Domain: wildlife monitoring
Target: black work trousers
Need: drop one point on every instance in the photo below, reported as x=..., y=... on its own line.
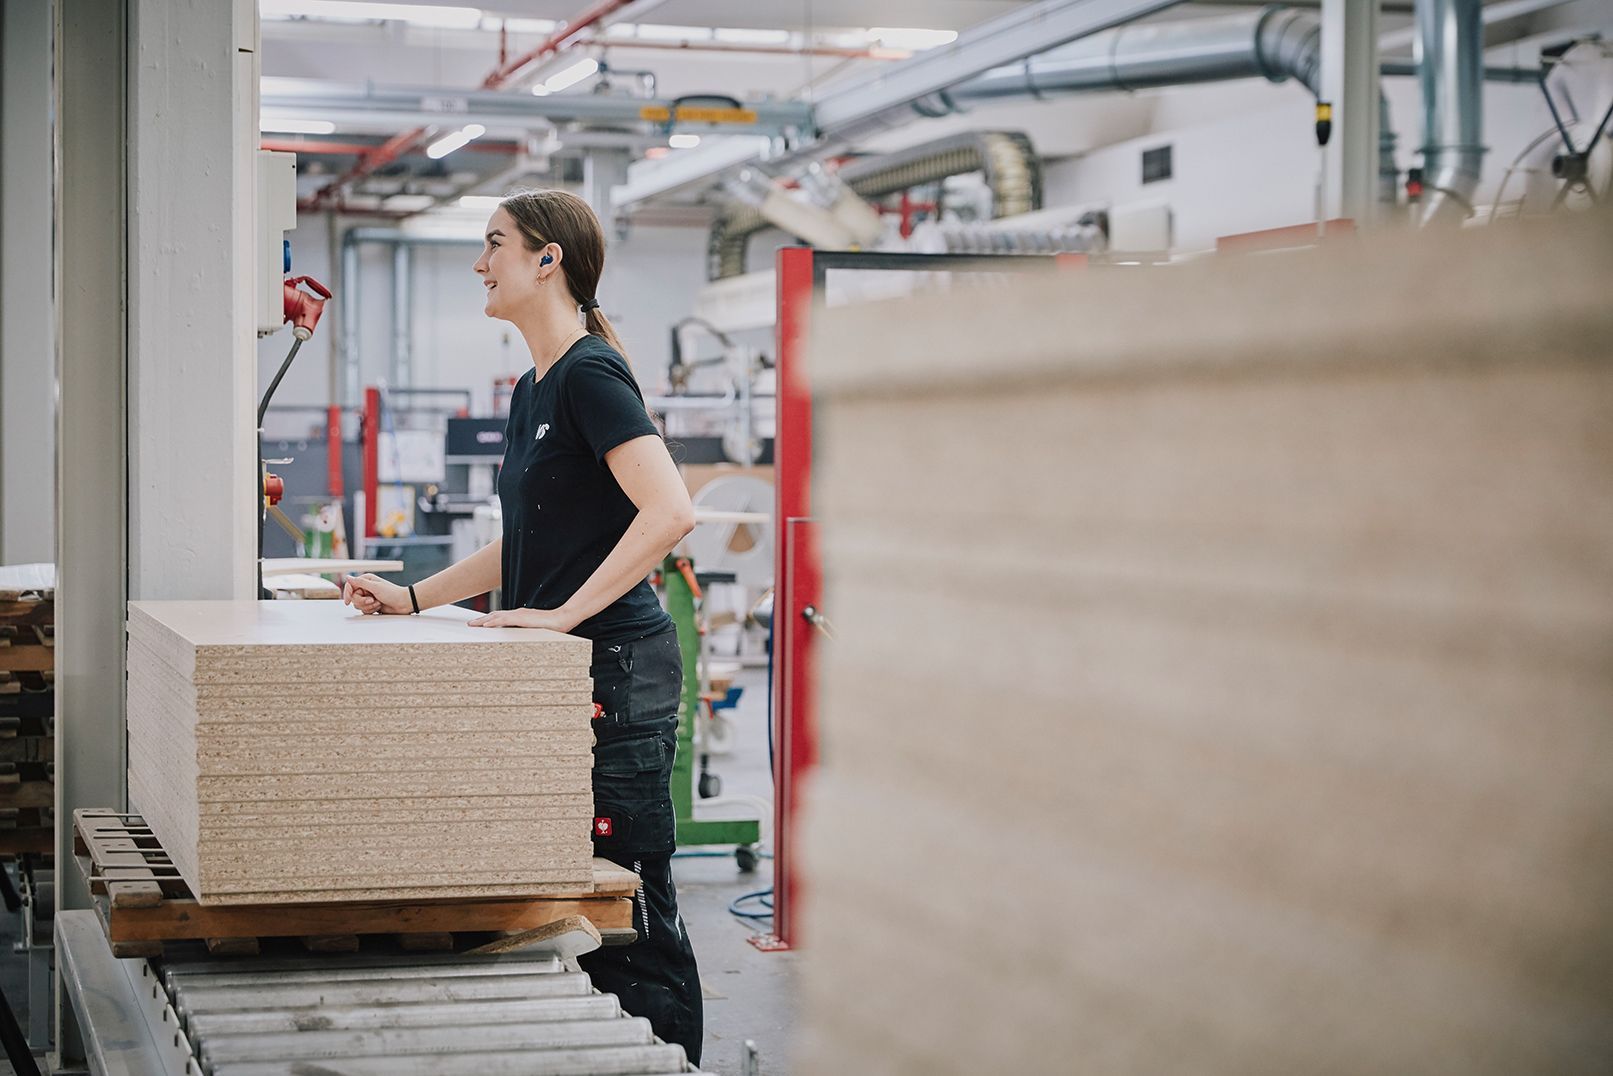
x=638, y=686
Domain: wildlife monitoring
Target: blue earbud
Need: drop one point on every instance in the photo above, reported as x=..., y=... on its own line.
x=546, y=259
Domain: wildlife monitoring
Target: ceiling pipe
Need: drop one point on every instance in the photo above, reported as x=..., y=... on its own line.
x=566, y=35
x=828, y=51
x=1450, y=69
x=411, y=140
x=1276, y=43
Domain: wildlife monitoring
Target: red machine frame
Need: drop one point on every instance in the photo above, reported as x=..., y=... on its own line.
x=798, y=578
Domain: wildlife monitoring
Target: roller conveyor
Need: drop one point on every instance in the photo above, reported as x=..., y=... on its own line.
x=517, y=1014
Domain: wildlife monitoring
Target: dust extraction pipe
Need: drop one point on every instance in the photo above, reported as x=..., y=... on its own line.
x=1450, y=69
x=1275, y=43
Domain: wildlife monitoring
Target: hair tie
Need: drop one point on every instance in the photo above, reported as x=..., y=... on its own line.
x=590, y=304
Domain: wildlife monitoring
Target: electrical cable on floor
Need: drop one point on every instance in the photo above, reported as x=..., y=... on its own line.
x=762, y=896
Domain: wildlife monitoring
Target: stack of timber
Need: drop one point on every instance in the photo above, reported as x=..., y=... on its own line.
x=27, y=709
x=1223, y=668
x=296, y=751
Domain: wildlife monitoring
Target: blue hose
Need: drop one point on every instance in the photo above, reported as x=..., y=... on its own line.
x=761, y=896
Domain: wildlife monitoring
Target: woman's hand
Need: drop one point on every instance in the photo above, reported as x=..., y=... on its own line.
x=553, y=619
x=372, y=594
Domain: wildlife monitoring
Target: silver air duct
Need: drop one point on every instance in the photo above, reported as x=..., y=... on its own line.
x=1275, y=43
x=1450, y=69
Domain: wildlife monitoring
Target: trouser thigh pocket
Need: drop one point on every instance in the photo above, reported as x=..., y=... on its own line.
x=632, y=803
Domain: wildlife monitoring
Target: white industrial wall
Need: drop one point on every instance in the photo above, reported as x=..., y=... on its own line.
x=1245, y=157
x=650, y=281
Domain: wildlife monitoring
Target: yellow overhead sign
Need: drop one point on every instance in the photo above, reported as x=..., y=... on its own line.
x=692, y=114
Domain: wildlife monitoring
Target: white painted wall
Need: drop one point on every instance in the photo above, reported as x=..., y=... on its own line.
x=1245, y=157
x=27, y=311
x=650, y=281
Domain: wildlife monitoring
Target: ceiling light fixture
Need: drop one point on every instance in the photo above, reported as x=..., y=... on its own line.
x=480, y=201
x=571, y=75
x=912, y=37
x=295, y=126
x=683, y=141
x=440, y=16
x=742, y=36
x=447, y=144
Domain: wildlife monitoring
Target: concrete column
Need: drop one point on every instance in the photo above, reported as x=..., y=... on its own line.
x=27, y=316
x=1350, y=81
x=92, y=48
x=192, y=260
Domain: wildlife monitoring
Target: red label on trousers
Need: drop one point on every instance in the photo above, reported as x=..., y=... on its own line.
x=603, y=827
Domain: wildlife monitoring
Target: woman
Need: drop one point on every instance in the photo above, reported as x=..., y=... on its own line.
x=592, y=502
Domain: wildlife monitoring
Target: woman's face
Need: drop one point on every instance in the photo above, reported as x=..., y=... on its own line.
x=510, y=271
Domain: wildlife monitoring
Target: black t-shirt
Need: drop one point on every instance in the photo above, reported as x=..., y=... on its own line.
x=563, y=509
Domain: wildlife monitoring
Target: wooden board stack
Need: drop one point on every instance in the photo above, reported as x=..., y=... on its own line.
x=296, y=751
x=1222, y=669
x=27, y=709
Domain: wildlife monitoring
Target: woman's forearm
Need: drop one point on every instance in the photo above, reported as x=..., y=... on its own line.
x=476, y=574
x=649, y=538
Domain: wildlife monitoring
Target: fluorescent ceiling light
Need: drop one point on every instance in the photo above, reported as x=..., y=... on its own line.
x=896, y=37
x=480, y=201
x=740, y=36
x=649, y=31
x=683, y=141
x=447, y=144
x=530, y=26
x=571, y=75
x=295, y=126
x=409, y=203
x=438, y=15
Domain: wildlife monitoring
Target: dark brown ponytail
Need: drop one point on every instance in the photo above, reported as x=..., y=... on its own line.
x=548, y=216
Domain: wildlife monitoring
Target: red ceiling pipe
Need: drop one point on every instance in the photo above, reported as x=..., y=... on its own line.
x=399, y=145
x=378, y=157
x=555, y=42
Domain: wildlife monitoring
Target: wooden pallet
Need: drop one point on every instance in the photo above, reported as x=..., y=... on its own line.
x=143, y=902
x=26, y=683
x=28, y=647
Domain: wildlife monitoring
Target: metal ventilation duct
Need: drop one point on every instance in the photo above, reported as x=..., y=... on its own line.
x=1450, y=68
x=1007, y=160
x=1275, y=43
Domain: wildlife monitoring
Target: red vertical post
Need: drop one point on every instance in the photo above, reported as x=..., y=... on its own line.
x=796, y=577
x=372, y=458
x=333, y=451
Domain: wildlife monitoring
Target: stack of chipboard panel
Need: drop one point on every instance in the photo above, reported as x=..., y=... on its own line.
x=27, y=709
x=297, y=751
x=1223, y=669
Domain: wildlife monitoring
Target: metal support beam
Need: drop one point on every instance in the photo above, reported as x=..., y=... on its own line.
x=1350, y=83
x=603, y=170
x=497, y=109
x=402, y=315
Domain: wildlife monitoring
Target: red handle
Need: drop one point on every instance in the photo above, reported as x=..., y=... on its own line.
x=302, y=309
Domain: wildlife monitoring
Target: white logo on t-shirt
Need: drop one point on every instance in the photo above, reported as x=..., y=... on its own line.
x=543, y=429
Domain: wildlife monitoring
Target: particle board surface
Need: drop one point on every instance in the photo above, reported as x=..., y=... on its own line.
x=299, y=752
x=1267, y=694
